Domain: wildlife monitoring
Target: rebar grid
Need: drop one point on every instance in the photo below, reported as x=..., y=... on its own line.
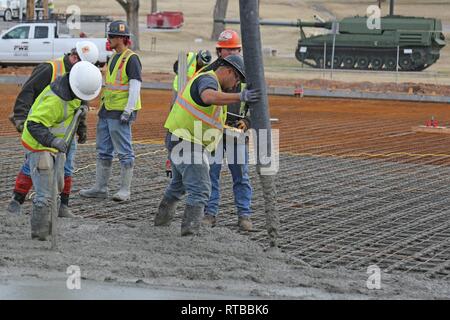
x=335, y=212
x=356, y=186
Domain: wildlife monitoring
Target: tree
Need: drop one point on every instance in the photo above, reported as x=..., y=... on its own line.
x=154, y=6
x=131, y=8
x=45, y=7
x=220, y=11
x=30, y=9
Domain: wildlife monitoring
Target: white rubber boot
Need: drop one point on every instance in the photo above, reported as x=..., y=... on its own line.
x=100, y=189
x=126, y=175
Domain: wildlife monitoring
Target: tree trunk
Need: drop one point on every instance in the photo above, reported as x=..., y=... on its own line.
x=154, y=6
x=131, y=8
x=30, y=9
x=220, y=11
x=45, y=6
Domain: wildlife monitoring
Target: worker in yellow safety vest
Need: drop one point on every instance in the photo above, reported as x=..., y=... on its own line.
x=44, y=74
x=237, y=154
x=44, y=135
x=119, y=106
x=194, y=62
x=196, y=124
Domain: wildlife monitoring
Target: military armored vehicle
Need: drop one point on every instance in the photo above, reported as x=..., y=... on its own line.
x=417, y=41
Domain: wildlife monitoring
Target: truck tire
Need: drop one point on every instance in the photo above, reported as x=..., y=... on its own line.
x=7, y=15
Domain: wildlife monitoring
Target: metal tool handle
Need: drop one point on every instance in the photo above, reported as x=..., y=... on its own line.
x=58, y=172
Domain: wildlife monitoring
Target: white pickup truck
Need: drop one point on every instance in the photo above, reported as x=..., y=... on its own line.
x=33, y=43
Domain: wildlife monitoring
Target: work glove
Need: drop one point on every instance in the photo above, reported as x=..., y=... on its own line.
x=250, y=95
x=59, y=144
x=243, y=124
x=82, y=137
x=82, y=129
x=19, y=125
x=125, y=117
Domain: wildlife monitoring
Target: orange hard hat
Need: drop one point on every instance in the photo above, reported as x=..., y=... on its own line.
x=228, y=39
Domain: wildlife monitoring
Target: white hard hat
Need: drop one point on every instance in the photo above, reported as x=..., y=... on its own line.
x=85, y=80
x=87, y=51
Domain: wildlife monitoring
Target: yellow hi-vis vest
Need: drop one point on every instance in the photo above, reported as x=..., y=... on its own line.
x=52, y=112
x=191, y=68
x=115, y=94
x=59, y=68
x=194, y=123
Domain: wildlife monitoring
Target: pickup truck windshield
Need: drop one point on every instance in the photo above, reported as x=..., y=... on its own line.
x=18, y=33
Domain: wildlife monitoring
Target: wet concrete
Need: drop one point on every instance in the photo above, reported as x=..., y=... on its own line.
x=37, y=289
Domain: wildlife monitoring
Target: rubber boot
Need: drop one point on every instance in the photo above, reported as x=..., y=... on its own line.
x=22, y=187
x=64, y=211
x=40, y=224
x=14, y=207
x=192, y=219
x=64, y=196
x=100, y=189
x=126, y=174
x=166, y=212
x=245, y=224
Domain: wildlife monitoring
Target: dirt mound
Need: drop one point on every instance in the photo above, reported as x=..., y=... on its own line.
x=366, y=86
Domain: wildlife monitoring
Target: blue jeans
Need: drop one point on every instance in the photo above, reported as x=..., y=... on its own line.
x=114, y=137
x=238, y=166
x=191, y=177
x=68, y=165
x=41, y=180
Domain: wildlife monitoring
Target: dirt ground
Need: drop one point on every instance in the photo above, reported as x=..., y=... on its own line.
x=328, y=122
x=116, y=248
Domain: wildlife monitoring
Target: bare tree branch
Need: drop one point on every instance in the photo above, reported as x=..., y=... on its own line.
x=124, y=4
x=131, y=8
x=220, y=11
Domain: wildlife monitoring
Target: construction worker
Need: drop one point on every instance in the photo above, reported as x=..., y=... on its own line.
x=120, y=103
x=237, y=158
x=50, y=117
x=41, y=77
x=195, y=61
x=196, y=125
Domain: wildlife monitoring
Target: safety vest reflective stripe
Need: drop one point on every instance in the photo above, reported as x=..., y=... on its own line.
x=117, y=87
x=199, y=114
x=58, y=68
x=119, y=77
x=217, y=113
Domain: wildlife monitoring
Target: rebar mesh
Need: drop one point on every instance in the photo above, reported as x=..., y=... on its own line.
x=356, y=186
